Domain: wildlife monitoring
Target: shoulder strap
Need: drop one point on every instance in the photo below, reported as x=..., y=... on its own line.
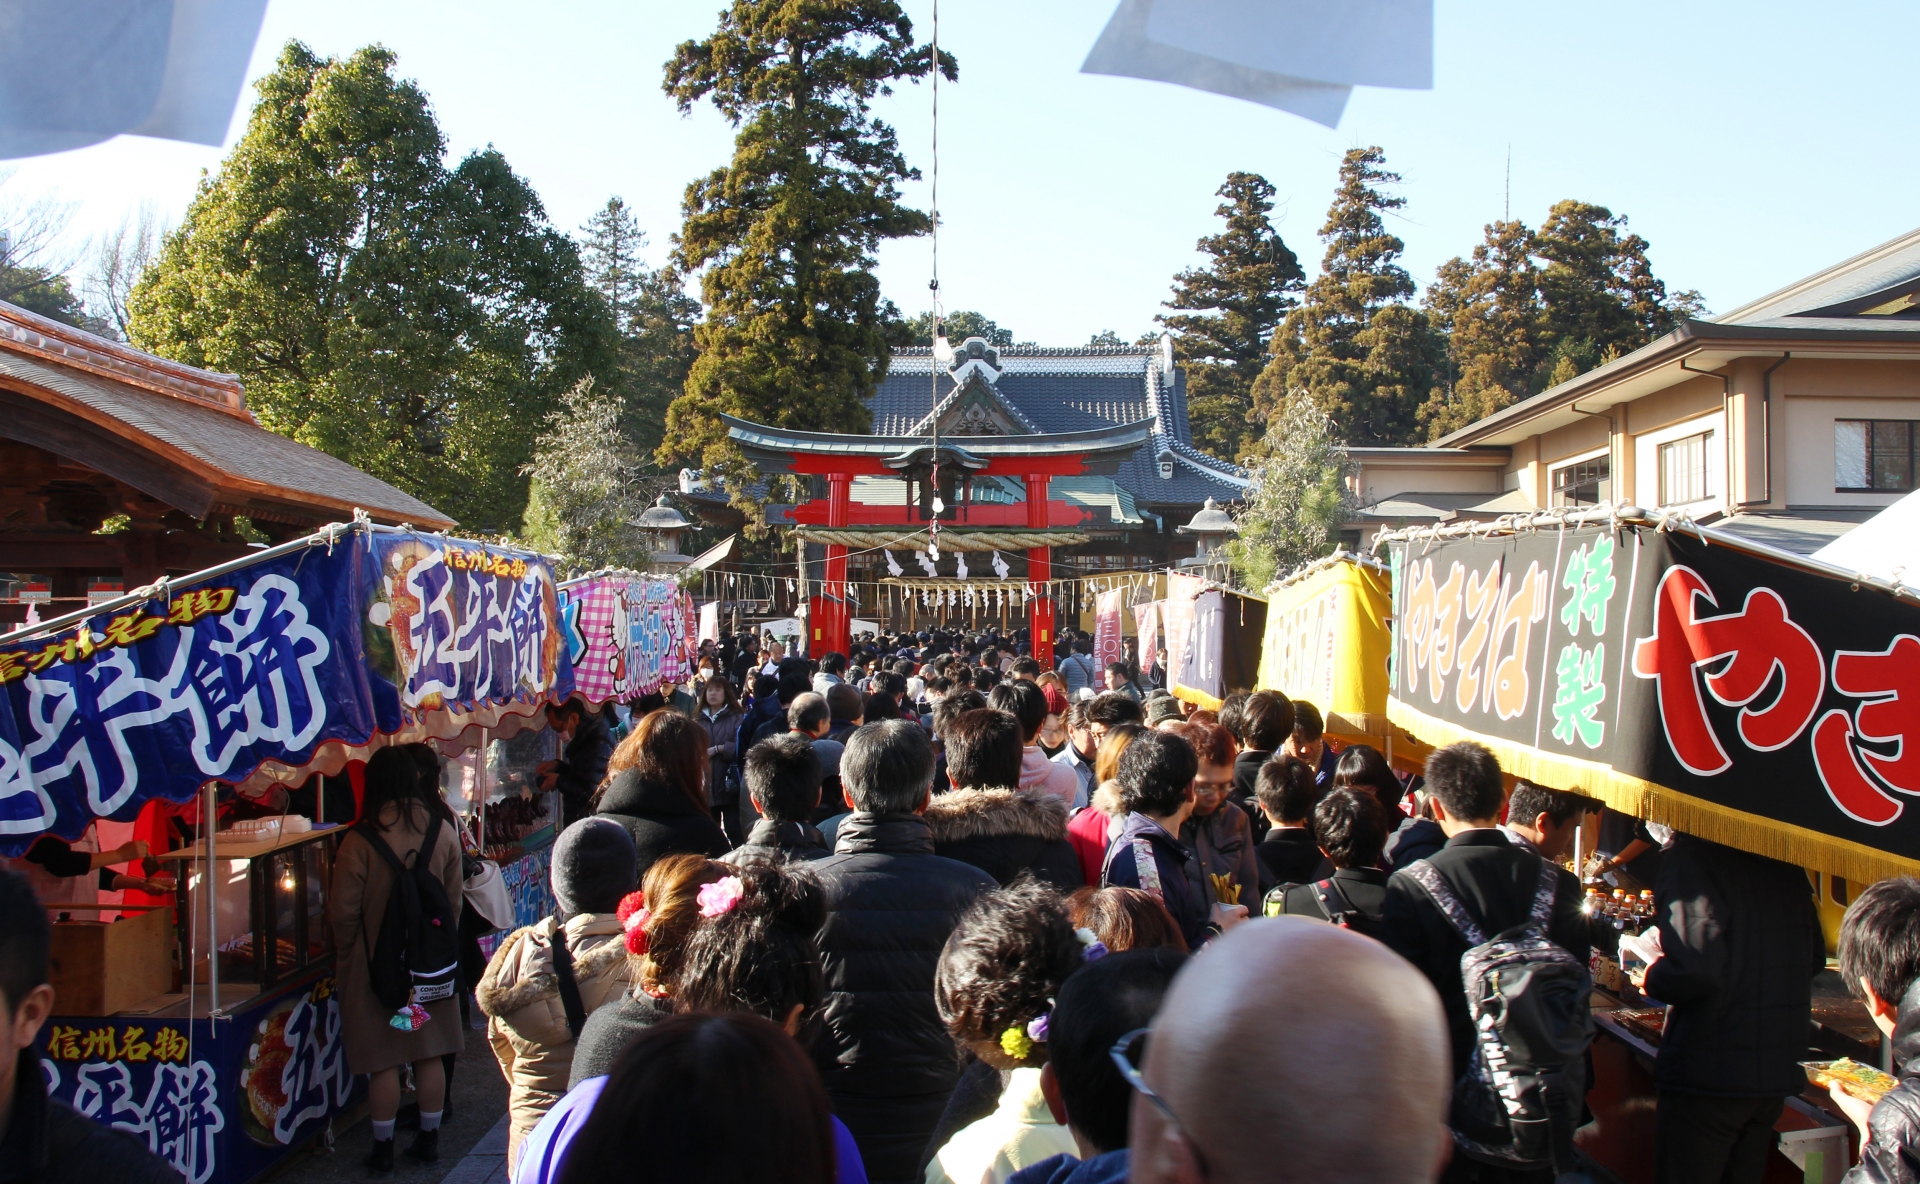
x=1333, y=899
x=569, y=985
x=1147, y=868
x=1451, y=907
x=1545, y=893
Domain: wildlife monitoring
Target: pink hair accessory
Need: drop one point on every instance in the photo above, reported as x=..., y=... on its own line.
x=720, y=896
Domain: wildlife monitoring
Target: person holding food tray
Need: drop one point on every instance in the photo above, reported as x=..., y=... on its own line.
x=1880, y=959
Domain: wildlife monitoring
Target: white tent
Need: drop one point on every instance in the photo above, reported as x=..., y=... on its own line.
x=1886, y=545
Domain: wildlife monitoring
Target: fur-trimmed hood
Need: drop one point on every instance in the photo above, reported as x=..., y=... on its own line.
x=1106, y=799
x=996, y=814
x=521, y=970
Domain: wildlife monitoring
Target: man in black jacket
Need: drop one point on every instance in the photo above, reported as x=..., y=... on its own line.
x=1497, y=882
x=986, y=819
x=1266, y=722
x=44, y=1141
x=582, y=764
x=1740, y=943
x=884, y=1054
x=783, y=778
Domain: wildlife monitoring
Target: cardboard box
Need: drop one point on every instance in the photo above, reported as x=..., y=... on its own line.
x=99, y=968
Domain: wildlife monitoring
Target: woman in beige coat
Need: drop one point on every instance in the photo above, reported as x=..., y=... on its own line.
x=594, y=865
x=398, y=806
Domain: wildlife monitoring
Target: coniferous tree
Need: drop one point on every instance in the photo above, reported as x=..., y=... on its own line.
x=1491, y=313
x=1600, y=294
x=1232, y=306
x=409, y=318
x=588, y=484
x=1353, y=346
x=796, y=332
x=653, y=315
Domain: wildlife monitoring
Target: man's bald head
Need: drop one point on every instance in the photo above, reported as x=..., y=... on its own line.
x=1293, y=1050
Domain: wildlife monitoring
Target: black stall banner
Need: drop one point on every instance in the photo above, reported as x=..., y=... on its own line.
x=1731, y=696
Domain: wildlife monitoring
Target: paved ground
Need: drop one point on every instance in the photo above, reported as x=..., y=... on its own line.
x=473, y=1147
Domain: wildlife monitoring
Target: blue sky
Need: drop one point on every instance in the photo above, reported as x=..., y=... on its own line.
x=1750, y=143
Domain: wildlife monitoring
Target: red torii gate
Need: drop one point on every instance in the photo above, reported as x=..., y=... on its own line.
x=936, y=468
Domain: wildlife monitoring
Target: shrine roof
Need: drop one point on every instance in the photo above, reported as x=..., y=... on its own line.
x=181, y=434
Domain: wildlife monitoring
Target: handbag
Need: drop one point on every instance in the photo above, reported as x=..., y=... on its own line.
x=486, y=894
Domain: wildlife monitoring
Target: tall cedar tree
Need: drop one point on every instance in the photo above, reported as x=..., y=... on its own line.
x=654, y=318
x=1497, y=337
x=796, y=333
x=1516, y=327
x=1233, y=306
x=1354, y=347
x=411, y=319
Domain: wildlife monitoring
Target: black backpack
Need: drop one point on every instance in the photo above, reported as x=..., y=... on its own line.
x=416, y=957
x=1334, y=902
x=1519, y=1100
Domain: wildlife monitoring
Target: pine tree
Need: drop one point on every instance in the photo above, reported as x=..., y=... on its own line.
x=796, y=333
x=409, y=318
x=1298, y=499
x=1491, y=312
x=1353, y=346
x=1234, y=304
x=654, y=317
x=588, y=484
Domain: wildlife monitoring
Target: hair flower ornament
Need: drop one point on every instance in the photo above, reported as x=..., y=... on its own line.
x=1037, y=1027
x=1016, y=1043
x=634, y=917
x=720, y=896
x=1093, y=949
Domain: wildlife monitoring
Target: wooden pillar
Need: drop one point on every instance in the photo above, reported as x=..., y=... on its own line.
x=1039, y=571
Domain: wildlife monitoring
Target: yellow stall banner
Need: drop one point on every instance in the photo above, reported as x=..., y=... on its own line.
x=1327, y=641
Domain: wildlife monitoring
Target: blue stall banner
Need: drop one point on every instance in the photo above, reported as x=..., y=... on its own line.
x=382, y=633
x=219, y=1100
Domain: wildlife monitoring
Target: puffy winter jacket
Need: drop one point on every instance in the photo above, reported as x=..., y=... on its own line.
x=887, y=1060
x=527, y=1022
x=662, y=819
x=723, y=732
x=1004, y=832
x=1892, y=1155
x=1742, y=943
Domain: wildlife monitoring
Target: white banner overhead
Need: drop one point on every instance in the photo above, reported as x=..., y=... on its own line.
x=1300, y=56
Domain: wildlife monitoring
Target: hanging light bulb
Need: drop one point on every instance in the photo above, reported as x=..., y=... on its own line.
x=939, y=506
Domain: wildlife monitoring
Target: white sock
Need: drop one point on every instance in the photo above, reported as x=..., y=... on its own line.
x=383, y=1131
x=430, y=1120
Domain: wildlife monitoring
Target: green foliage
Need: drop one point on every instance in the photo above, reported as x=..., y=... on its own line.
x=411, y=319
x=1535, y=309
x=958, y=326
x=796, y=333
x=588, y=484
x=1105, y=337
x=1299, y=497
x=1353, y=347
x=1233, y=306
x=654, y=318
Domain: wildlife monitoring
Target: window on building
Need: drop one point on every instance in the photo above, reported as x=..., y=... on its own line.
x=1683, y=470
x=1584, y=482
x=1873, y=455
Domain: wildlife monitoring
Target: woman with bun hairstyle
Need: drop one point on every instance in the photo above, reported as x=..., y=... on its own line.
x=998, y=975
x=751, y=947
x=657, y=922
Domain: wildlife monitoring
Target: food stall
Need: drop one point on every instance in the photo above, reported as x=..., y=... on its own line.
x=218, y=688
x=1694, y=678
x=1213, y=639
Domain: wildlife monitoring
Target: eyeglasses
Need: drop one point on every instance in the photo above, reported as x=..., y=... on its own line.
x=1124, y=1053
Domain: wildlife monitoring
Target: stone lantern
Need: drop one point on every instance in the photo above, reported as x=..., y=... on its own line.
x=661, y=527
x=1211, y=528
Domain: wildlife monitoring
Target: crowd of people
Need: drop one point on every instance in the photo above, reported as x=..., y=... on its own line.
x=928, y=913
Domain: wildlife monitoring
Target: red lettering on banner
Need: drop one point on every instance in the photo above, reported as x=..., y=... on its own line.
x=1756, y=641
x=1889, y=682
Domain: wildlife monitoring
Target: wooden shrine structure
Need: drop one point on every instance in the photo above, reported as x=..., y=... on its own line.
x=936, y=478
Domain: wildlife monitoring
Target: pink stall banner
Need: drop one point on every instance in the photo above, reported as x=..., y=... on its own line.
x=633, y=635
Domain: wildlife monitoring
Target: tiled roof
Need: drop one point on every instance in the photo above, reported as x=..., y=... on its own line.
x=1076, y=389
x=225, y=445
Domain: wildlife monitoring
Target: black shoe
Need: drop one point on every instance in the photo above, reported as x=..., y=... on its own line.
x=379, y=1161
x=426, y=1147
